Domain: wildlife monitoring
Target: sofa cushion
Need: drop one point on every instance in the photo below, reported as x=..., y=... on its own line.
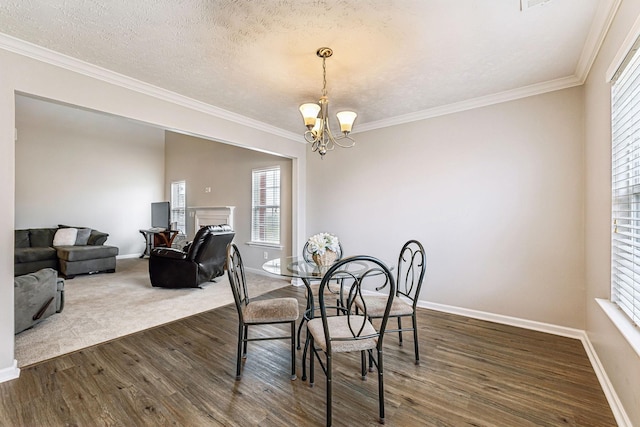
x=22, y=239
x=83, y=236
x=81, y=253
x=41, y=237
x=95, y=237
x=65, y=236
x=22, y=255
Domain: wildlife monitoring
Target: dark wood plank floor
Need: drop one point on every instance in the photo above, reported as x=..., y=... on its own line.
x=473, y=373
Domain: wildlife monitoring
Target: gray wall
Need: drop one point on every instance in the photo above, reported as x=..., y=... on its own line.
x=84, y=168
x=495, y=195
x=227, y=171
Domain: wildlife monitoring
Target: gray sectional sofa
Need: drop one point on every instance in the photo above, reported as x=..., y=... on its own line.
x=35, y=250
x=37, y=296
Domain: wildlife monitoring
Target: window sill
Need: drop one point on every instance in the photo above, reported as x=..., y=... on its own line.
x=630, y=332
x=265, y=245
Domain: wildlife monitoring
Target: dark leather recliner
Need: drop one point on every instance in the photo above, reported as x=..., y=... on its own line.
x=201, y=261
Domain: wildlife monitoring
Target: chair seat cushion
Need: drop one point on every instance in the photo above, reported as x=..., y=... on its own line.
x=339, y=328
x=271, y=310
x=376, y=305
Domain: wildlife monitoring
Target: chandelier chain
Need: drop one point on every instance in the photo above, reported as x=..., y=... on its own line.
x=324, y=76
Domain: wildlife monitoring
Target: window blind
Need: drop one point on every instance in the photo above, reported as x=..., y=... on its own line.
x=179, y=205
x=265, y=218
x=625, y=168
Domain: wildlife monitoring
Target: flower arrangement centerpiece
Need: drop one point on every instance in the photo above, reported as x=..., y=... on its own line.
x=324, y=248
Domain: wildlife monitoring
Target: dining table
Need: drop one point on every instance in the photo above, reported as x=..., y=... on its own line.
x=297, y=267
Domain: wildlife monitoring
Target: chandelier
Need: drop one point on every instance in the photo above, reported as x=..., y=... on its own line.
x=316, y=118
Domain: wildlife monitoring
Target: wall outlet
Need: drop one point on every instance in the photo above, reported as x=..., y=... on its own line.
x=266, y=255
x=207, y=189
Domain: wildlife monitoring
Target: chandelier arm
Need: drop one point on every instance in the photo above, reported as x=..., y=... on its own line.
x=353, y=141
x=310, y=137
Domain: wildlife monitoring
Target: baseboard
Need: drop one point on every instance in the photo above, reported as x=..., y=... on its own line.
x=612, y=398
x=505, y=320
x=614, y=402
x=10, y=373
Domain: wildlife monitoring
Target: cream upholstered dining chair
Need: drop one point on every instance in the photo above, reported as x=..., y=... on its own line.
x=258, y=312
x=344, y=330
x=412, y=264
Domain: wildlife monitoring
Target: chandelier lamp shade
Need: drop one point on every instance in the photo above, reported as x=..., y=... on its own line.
x=316, y=118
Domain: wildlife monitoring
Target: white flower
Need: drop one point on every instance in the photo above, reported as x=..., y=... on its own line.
x=321, y=242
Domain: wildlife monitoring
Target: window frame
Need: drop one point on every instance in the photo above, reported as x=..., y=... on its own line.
x=266, y=237
x=620, y=319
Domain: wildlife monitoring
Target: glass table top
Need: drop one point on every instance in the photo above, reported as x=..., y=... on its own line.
x=297, y=267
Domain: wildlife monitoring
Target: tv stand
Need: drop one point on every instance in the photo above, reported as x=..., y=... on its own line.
x=157, y=238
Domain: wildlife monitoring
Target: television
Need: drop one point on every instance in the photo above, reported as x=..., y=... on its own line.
x=161, y=215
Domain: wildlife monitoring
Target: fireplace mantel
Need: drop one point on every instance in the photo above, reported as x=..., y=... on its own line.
x=210, y=215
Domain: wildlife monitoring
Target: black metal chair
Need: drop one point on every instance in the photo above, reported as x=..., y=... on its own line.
x=346, y=331
x=331, y=289
x=258, y=312
x=412, y=264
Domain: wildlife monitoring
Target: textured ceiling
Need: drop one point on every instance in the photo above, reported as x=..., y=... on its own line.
x=257, y=58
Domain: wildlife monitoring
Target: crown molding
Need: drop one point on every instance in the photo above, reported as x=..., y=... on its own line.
x=57, y=59
x=599, y=28
x=470, y=104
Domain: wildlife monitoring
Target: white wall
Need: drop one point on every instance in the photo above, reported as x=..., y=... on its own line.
x=494, y=194
x=83, y=168
x=20, y=73
x=621, y=363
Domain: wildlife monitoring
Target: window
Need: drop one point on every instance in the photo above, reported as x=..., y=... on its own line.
x=265, y=206
x=179, y=205
x=625, y=236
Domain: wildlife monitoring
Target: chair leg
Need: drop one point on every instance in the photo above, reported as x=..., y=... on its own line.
x=370, y=362
x=300, y=330
x=329, y=390
x=363, y=364
x=241, y=337
x=400, y=330
x=304, y=355
x=246, y=336
x=311, y=361
x=380, y=386
x=293, y=351
x=415, y=338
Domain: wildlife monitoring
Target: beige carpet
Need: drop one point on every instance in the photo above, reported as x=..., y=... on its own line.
x=102, y=307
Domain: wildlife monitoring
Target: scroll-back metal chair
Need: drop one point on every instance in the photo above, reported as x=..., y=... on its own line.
x=258, y=312
x=412, y=264
x=332, y=289
x=346, y=331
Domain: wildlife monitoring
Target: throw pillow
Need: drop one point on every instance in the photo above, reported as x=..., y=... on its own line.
x=83, y=236
x=65, y=237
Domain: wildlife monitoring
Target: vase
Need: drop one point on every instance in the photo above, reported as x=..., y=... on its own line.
x=325, y=260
